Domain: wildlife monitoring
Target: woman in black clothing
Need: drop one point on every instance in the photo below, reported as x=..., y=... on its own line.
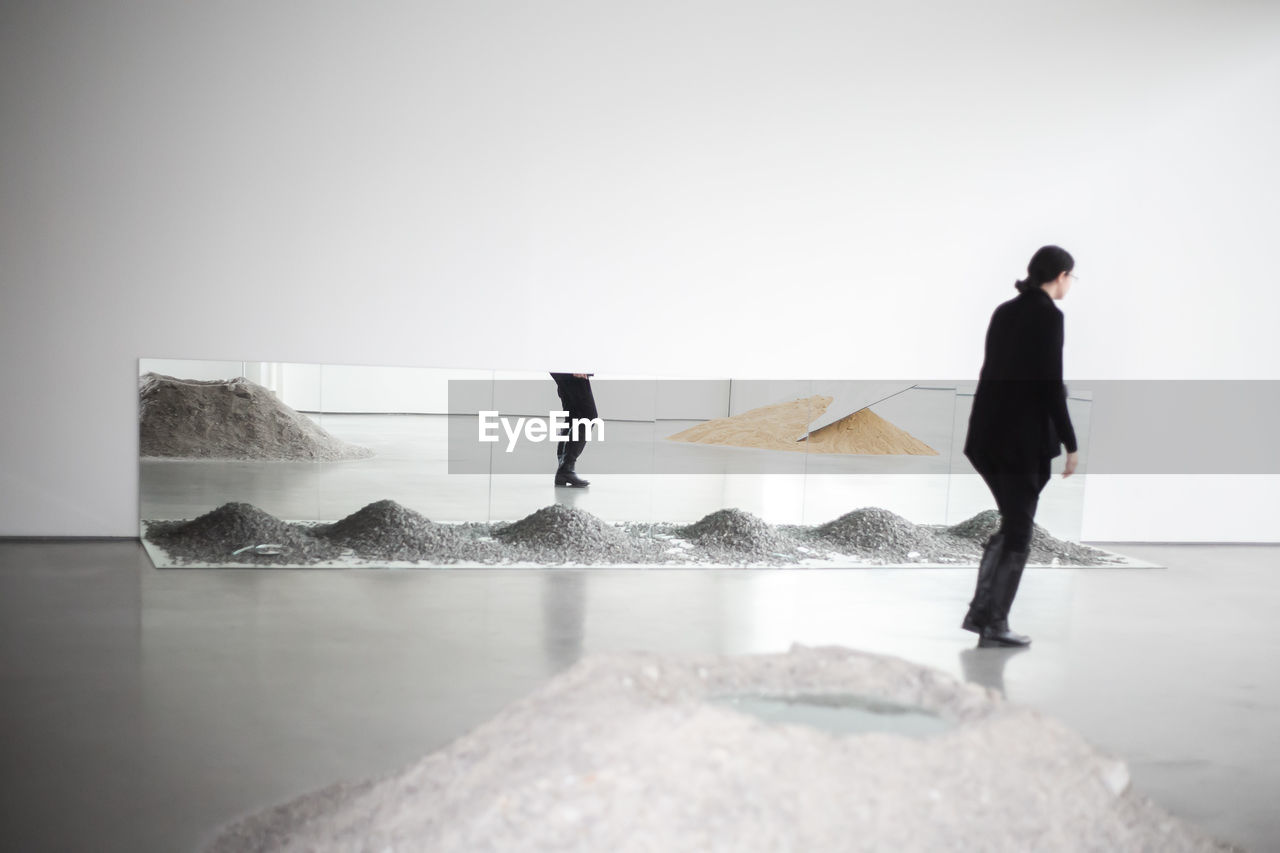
x=1018, y=423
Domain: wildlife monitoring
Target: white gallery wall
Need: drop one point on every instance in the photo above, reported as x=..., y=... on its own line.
x=748, y=189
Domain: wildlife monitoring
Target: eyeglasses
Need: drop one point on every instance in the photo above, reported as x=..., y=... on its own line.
x=1073, y=275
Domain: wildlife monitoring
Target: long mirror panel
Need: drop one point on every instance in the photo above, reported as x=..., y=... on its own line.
x=279, y=464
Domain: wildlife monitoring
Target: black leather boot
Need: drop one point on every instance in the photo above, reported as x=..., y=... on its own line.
x=565, y=475
x=980, y=607
x=1008, y=574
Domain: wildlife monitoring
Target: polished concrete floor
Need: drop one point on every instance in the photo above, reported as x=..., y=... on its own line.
x=142, y=709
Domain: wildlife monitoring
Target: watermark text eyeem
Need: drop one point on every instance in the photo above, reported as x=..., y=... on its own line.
x=538, y=429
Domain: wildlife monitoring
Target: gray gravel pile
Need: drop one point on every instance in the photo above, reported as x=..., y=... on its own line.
x=735, y=535
x=877, y=534
x=977, y=528
x=232, y=419
x=633, y=753
x=385, y=530
x=558, y=534
x=215, y=537
x=1045, y=548
x=562, y=534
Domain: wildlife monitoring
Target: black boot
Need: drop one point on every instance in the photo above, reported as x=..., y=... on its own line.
x=565, y=475
x=1008, y=574
x=981, y=605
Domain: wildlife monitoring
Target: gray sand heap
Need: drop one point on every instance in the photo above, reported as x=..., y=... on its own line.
x=235, y=419
x=562, y=534
x=388, y=531
x=1045, y=547
x=733, y=534
x=217, y=535
x=874, y=533
x=632, y=753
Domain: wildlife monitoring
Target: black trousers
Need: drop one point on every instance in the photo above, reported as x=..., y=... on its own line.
x=576, y=399
x=1016, y=488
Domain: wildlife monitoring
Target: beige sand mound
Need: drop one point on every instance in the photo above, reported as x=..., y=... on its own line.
x=236, y=419
x=778, y=426
x=866, y=432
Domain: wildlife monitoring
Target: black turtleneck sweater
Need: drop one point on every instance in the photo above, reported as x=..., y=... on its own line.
x=1020, y=407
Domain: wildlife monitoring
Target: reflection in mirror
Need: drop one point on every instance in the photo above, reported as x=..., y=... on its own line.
x=569, y=495
x=880, y=444
x=732, y=444
x=258, y=464
x=212, y=432
x=299, y=443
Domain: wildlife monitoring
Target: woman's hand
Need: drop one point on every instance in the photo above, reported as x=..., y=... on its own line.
x=1073, y=459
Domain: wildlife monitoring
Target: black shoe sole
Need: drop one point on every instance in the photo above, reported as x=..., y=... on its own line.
x=992, y=642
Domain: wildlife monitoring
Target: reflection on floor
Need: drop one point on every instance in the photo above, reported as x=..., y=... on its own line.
x=143, y=709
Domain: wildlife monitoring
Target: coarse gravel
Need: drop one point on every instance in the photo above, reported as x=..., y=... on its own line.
x=1045, y=547
x=385, y=530
x=559, y=535
x=874, y=533
x=733, y=535
x=216, y=536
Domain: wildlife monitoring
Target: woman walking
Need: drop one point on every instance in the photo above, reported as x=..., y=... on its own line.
x=1019, y=422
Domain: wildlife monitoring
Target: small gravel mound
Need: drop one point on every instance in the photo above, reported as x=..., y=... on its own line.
x=388, y=531
x=559, y=533
x=737, y=533
x=978, y=528
x=217, y=535
x=1045, y=547
x=878, y=534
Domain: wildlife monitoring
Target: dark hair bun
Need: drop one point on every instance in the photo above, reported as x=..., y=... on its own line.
x=1047, y=263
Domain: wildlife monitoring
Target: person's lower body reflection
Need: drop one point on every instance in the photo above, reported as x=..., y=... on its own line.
x=563, y=617
x=577, y=399
x=985, y=666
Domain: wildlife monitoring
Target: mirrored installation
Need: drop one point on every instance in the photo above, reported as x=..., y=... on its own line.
x=272, y=464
